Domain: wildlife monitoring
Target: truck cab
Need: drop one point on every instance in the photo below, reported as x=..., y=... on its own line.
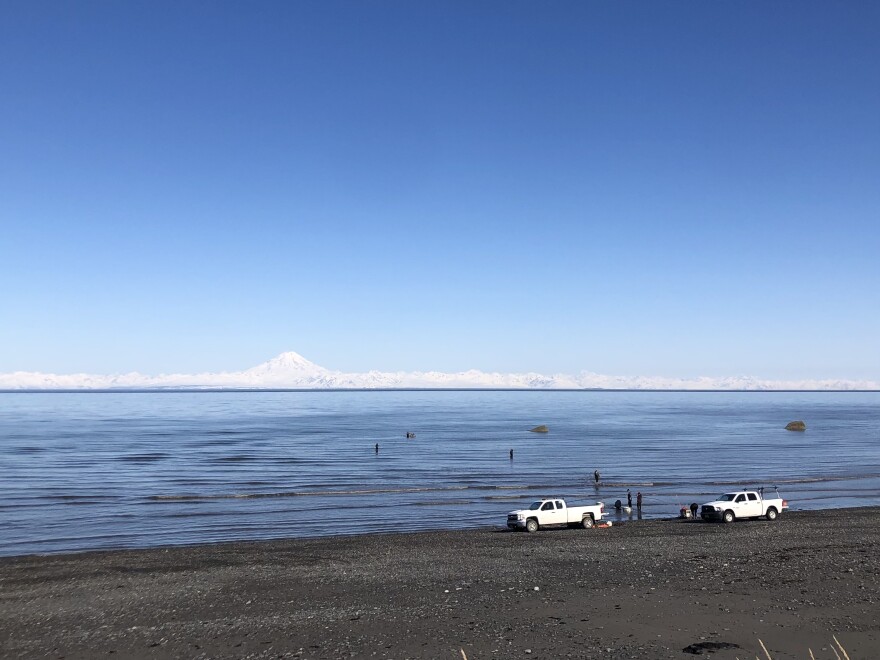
x=549, y=512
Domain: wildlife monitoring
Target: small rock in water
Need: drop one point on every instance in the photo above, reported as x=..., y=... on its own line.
x=796, y=426
x=540, y=429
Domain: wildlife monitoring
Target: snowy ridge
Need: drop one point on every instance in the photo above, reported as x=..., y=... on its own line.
x=292, y=371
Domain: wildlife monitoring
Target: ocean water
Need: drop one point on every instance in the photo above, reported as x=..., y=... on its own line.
x=85, y=471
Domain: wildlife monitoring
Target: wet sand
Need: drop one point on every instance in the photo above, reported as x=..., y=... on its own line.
x=644, y=589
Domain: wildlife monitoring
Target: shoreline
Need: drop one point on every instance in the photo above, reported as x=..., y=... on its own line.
x=643, y=589
x=617, y=519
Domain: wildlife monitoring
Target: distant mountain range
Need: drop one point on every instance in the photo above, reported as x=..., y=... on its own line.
x=292, y=371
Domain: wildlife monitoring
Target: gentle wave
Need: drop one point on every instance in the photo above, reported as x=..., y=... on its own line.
x=443, y=502
x=144, y=458
x=548, y=489
x=736, y=482
x=310, y=493
x=356, y=491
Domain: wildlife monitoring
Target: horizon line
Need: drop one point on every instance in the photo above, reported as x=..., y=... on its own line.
x=257, y=390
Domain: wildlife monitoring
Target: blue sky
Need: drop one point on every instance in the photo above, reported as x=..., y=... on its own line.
x=638, y=188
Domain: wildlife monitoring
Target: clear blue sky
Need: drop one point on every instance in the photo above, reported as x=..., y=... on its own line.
x=631, y=188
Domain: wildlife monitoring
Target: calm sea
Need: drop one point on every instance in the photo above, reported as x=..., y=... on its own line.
x=110, y=470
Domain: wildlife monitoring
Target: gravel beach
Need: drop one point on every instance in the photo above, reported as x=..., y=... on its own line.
x=642, y=589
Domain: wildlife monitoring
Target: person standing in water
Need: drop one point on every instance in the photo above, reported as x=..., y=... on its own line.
x=639, y=500
x=629, y=498
x=377, y=447
x=511, y=454
x=596, y=476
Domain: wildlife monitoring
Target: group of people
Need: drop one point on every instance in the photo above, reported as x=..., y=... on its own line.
x=629, y=501
x=629, y=497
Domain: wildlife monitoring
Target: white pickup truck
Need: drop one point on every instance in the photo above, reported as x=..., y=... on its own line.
x=743, y=504
x=554, y=513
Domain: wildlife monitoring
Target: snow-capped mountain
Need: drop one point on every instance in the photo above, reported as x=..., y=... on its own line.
x=286, y=368
x=292, y=371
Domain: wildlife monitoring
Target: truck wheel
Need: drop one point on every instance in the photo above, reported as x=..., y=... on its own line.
x=728, y=517
x=531, y=525
x=772, y=514
x=587, y=522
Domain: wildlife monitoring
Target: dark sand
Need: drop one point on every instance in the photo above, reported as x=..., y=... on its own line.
x=637, y=590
